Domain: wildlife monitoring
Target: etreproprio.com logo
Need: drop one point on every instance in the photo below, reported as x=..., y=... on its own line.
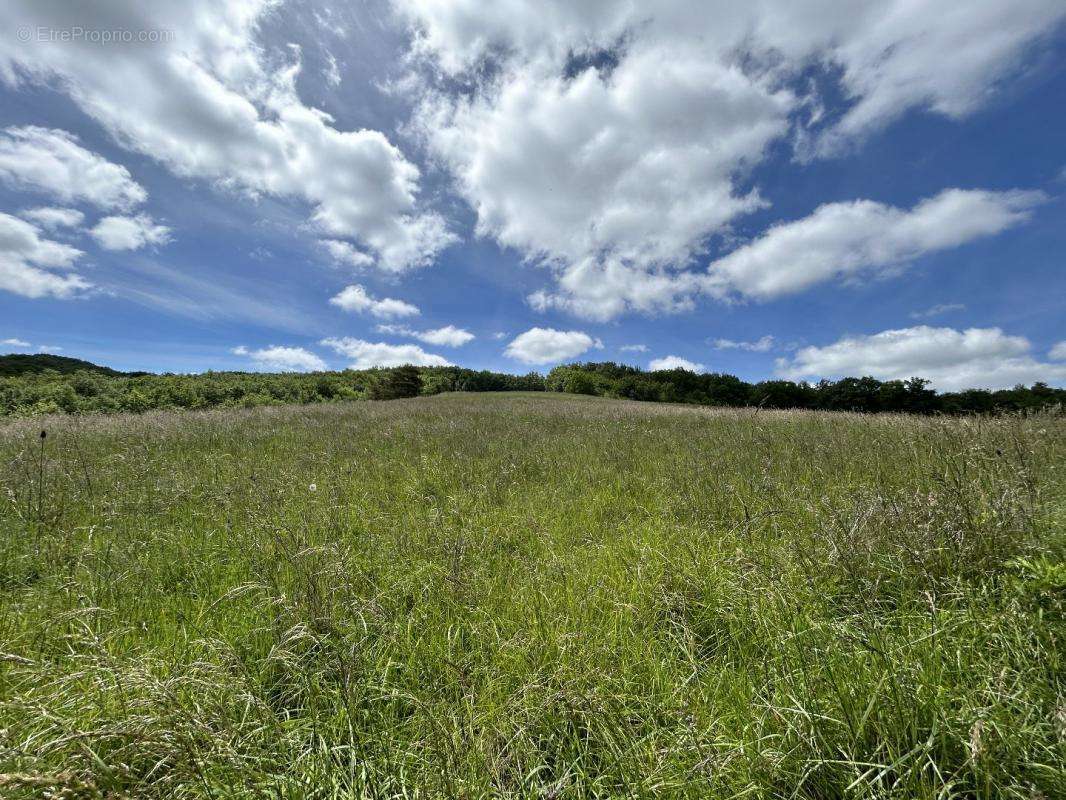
x=79, y=34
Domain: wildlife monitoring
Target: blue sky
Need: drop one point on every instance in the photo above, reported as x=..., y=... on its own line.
x=797, y=189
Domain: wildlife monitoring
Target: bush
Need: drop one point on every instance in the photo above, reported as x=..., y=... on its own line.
x=579, y=383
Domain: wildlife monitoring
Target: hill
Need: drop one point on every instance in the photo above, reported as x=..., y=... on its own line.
x=14, y=364
x=532, y=595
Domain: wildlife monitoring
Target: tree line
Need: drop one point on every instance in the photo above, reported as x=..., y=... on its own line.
x=90, y=389
x=913, y=396
x=30, y=389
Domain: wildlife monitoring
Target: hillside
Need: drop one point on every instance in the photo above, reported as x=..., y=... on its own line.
x=531, y=595
x=14, y=364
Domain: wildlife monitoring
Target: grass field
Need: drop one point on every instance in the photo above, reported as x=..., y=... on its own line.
x=532, y=596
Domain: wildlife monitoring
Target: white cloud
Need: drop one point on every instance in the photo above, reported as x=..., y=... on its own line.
x=601, y=289
x=951, y=359
x=53, y=218
x=448, y=336
x=216, y=103
x=887, y=54
x=568, y=168
x=22, y=344
x=129, y=233
x=283, y=359
x=675, y=362
x=609, y=140
x=51, y=161
x=634, y=348
x=1058, y=352
x=937, y=310
x=355, y=298
x=761, y=345
x=366, y=354
x=27, y=261
x=332, y=72
x=547, y=345
x=609, y=183
x=843, y=241
x=344, y=253
x=893, y=58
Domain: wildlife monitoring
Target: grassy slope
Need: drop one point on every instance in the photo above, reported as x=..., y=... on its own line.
x=491, y=595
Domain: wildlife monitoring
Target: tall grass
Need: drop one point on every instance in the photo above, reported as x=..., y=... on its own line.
x=532, y=596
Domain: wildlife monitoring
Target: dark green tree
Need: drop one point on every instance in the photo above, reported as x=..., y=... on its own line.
x=394, y=384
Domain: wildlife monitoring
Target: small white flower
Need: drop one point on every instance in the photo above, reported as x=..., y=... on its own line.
x=312, y=488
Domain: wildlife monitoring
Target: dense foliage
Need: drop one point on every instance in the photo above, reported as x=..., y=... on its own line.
x=396, y=384
x=87, y=391
x=511, y=597
x=97, y=389
x=28, y=363
x=913, y=396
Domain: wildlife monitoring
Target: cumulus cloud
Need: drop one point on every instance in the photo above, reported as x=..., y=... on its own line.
x=609, y=183
x=951, y=359
x=937, y=310
x=346, y=254
x=355, y=298
x=53, y=218
x=366, y=354
x=761, y=345
x=886, y=55
x=52, y=161
x=601, y=289
x=565, y=167
x=843, y=241
x=1058, y=352
x=129, y=233
x=675, y=362
x=547, y=345
x=448, y=336
x=214, y=103
x=283, y=359
x=28, y=261
x=634, y=348
x=609, y=140
x=22, y=344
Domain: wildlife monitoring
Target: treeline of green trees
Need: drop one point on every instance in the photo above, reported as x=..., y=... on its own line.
x=93, y=390
x=848, y=394
x=96, y=390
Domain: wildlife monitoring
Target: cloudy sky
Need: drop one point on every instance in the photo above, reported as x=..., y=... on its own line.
x=777, y=188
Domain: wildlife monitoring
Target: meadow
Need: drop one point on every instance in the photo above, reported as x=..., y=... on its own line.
x=532, y=595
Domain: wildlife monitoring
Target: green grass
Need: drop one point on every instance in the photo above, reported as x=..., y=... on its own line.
x=532, y=596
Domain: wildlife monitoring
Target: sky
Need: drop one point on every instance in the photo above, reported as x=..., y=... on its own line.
x=776, y=189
